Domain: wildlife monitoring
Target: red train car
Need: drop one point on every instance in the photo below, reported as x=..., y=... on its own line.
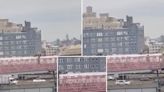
x=27, y=64
x=83, y=82
x=119, y=63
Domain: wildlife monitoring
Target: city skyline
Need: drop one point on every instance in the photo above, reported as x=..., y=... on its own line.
x=49, y=16
x=146, y=12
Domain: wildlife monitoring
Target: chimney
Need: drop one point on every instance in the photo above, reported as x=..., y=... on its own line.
x=129, y=20
x=89, y=9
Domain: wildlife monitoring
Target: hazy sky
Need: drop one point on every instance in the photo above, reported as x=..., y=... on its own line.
x=55, y=18
x=149, y=13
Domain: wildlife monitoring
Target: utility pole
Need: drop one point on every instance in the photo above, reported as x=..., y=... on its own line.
x=58, y=76
x=55, y=84
x=39, y=55
x=158, y=80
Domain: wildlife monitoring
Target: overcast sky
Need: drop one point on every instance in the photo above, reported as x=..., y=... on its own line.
x=55, y=18
x=149, y=13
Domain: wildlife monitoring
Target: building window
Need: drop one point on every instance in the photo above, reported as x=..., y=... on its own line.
x=112, y=38
x=1, y=53
x=69, y=66
x=25, y=52
x=107, y=50
x=19, y=47
x=113, y=44
x=12, y=42
x=18, y=37
x=61, y=60
x=7, y=53
x=1, y=43
x=93, y=51
x=93, y=40
x=18, y=42
x=1, y=38
x=99, y=40
x=93, y=66
x=86, y=34
x=120, y=50
x=132, y=38
x=118, y=38
x=78, y=59
x=24, y=36
x=61, y=67
x=114, y=50
x=24, y=42
x=93, y=45
x=100, y=50
x=12, y=47
x=119, y=44
x=87, y=40
x=126, y=44
x=13, y=52
x=1, y=47
x=78, y=67
x=69, y=60
x=85, y=45
x=119, y=33
x=106, y=39
x=6, y=47
x=85, y=59
x=6, y=42
x=126, y=38
x=92, y=34
x=100, y=45
x=122, y=33
x=6, y=38
x=127, y=50
x=99, y=34
x=86, y=66
x=106, y=45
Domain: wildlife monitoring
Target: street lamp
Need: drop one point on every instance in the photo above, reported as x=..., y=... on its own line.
x=158, y=80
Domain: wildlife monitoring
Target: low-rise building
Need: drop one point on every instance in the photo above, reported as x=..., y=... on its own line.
x=71, y=50
x=18, y=40
x=154, y=46
x=48, y=49
x=107, y=35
